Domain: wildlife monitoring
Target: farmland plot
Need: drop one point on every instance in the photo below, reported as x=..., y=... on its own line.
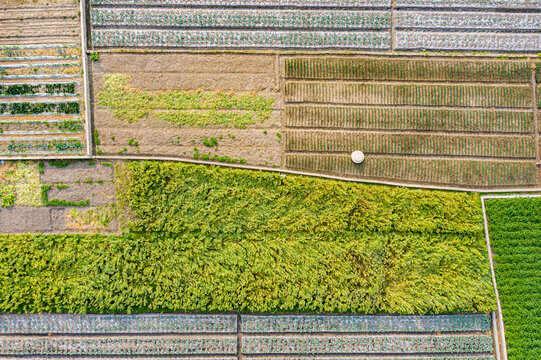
x=515, y=235
x=222, y=107
x=211, y=335
x=437, y=121
x=41, y=87
x=241, y=25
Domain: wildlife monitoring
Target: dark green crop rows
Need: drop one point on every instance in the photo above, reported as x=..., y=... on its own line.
x=214, y=239
x=515, y=233
x=25, y=108
x=27, y=89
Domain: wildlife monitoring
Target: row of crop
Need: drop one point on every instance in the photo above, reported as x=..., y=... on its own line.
x=425, y=119
x=467, y=21
x=40, y=70
x=240, y=39
x=28, y=108
x=37, y=89
x=118, y=346
x=41, y=146
x=117, y=324
x=250, y=19
x=371, y=357
x=407, y=69
x=363, y=324
x=397, y=344
x=411, y=144
x=483, y=4
x=462, y=41
x=40, y=52
x=517, y=96
x=515, y=233
x=41, y=126
x=192, y=324
x=250, y=3
x=427, y=170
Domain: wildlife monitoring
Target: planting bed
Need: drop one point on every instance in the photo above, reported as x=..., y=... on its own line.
x=40, y=101
x=56, y=197
x=41, y=83
x=211, y=335
x=416, y=120
x=419, y=25
x=215, y=106
x=140, y=26
x=515, y=235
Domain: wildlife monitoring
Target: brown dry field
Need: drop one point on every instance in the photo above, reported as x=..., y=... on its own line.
x=258, y=144
x=10, y=3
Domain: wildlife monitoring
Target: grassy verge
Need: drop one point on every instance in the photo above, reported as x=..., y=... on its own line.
x=515, y=232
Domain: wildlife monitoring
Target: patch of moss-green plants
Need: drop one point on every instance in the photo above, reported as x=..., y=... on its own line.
x=185, y=108
x=57, y=202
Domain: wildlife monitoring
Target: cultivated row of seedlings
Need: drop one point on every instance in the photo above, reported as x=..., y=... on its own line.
x=223, y=323
x=251, y=3
x=482, y=4
x=361, y=344
x=240, y=39
x=479, y=173
x=515, y=96
x=411, y=144
x=474, y=21
x=464, y=334
x=462, y=41
x=247, y=19
x=117, y=324
x=40, y=106
x=412, y=119
x=121, y=345
x=364, y=324
x=397, y=69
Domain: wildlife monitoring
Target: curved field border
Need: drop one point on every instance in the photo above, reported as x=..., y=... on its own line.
x=279, y=170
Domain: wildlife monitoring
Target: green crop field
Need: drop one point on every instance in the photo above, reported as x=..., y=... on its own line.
x=215, y=239
x=508, y=96
x=422, y=144
x=408, y=70
x=515, y=235
x=393, y=118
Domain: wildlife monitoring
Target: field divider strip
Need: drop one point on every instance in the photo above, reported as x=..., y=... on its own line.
x=411, y=185
x=496, y=336
x=305, y=173
x=86, y=77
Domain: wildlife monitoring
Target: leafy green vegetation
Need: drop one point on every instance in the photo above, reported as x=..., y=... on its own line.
x=200, y=238
x=515, y=235
x=191, y=108
x=25, y=108
x=57, y=202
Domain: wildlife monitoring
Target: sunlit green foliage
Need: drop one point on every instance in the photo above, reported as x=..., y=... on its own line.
x=515, y=235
